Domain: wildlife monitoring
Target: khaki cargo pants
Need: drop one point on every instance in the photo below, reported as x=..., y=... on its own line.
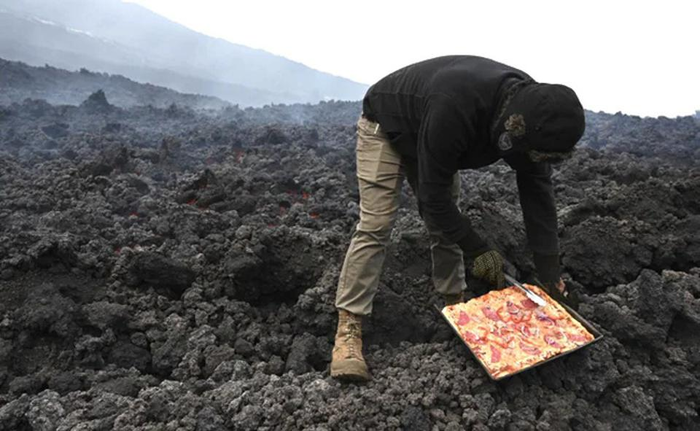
x=380, y=173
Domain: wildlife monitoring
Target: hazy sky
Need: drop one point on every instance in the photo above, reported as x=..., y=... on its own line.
x=637, y=57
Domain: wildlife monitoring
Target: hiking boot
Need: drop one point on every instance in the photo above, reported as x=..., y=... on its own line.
x=347, y=362
x=453, y=298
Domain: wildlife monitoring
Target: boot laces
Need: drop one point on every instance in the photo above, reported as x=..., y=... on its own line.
x=352, y=332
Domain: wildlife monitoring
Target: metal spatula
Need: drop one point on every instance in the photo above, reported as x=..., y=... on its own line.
x=529, y=293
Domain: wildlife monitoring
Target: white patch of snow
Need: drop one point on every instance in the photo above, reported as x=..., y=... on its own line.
x=72, y=30
x=43, y=21
x=75, y=30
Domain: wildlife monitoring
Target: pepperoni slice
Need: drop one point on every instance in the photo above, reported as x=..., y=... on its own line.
x=551, y=341
x=529, y=349
x=542, y=317
x=488, y=312
x=463, y=318
x=473, y=338
x=528, y=304
x=495, y=355
x=577, y=338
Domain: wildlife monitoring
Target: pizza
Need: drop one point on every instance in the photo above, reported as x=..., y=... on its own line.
x=508, y=332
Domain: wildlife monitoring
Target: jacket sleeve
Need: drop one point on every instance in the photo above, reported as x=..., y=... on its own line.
x=441, y=140
x=539, y=213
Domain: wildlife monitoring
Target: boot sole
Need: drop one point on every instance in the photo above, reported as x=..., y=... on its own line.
x=354, y=371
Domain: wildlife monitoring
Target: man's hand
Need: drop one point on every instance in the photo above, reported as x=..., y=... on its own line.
x=489, y=268
x=559, y=292
x=559, y=285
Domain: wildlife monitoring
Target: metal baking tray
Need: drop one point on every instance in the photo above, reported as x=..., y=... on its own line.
x=586, y=324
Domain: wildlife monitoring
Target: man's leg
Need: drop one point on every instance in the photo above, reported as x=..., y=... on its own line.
x=448, y=264
x=448, y=261
x=379, y=176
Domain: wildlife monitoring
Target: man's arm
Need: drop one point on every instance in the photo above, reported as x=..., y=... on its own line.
x=540, y=214
x=441, y=141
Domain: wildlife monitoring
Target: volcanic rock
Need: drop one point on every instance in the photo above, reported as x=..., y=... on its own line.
x=168, y=268
x=97, y=103
x=160, y=272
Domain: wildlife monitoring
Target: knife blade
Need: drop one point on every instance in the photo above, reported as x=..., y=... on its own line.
x=529, y=293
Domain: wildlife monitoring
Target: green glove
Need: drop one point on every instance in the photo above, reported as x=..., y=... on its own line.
x=489, y=268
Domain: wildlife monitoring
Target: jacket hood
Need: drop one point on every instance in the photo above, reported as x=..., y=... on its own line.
x=542, y=117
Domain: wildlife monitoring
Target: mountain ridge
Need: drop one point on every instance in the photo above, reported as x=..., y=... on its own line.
x=19, y=81
x=124, y=38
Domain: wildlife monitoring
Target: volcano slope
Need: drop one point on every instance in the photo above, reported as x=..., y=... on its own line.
x=162, y=269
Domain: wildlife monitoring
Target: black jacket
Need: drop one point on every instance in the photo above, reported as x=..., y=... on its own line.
x=441, y=113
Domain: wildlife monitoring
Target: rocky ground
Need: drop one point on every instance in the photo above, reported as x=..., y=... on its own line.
x=163, y=269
